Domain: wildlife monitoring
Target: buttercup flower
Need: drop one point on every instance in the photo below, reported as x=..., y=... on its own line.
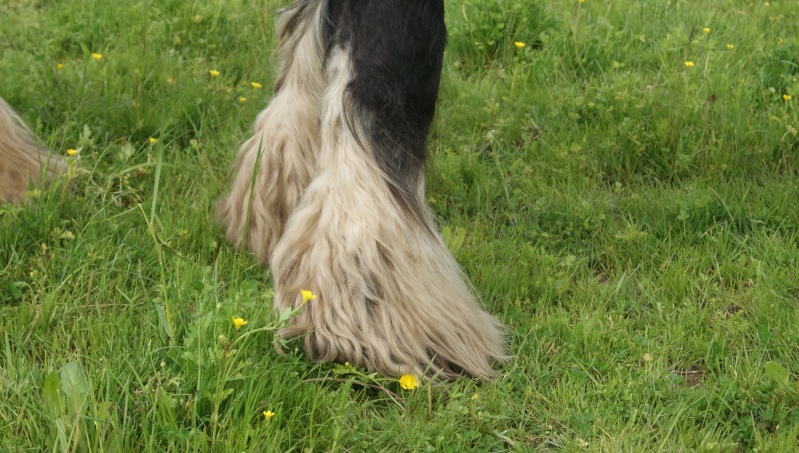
x=268, y=415
x=706, y=30
x=730, y=46
x=213, y=72
x=787, y=97
x=519, y=44
x=72, y=152
x=689, y=64
x=256, y=85
x=238, y=322
x=307, y=295
x=408, y=382
x=242, y=99
x=152, y=140
x=97, y=56
x=59, y=66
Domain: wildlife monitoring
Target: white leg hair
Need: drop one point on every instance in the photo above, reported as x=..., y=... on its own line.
x=390, y=296
x=281, y=156
x=23, y=160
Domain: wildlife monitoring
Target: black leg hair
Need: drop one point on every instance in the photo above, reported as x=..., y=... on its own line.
x=396, y=49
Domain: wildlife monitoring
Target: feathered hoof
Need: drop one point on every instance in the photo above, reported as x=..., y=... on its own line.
x=389, y=295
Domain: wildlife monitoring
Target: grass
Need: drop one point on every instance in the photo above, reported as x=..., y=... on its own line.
x=631, y=219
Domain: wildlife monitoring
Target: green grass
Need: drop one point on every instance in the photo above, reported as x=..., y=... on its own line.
x=632, y=220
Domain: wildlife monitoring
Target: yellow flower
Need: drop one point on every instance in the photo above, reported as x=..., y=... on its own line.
x=580, y=1
x=408, y=382
x=689, y=64
x=59, y=66
x=72, y=152
x=256, y=85
x=152, y=140
x=475, y=396
x=97, y=56
x=730, y=46
x=307, y=295
x=268, y=415
x=706, y=30
x=242, y=99
x=519, y=44
x=238, y=322
x=787, y=97
x=213, y=72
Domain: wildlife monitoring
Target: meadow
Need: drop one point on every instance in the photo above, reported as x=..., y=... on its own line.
x=620, y=180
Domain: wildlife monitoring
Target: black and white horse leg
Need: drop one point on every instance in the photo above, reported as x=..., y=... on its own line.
x=390, y=296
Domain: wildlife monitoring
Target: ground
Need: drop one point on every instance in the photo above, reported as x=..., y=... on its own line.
x=618, y=180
